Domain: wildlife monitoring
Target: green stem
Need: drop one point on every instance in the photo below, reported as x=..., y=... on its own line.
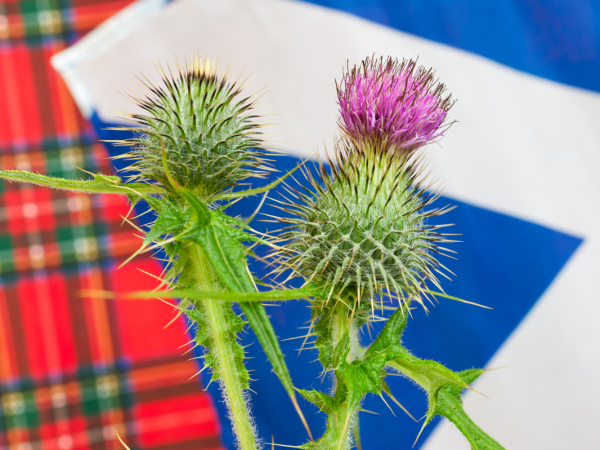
x=356, y=432
x=342, y=324
x=207, y=281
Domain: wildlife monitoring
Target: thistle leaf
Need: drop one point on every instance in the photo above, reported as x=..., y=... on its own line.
x=101, y=184
x=443, y=386
x=273, y=296
x=450, y=405
x=235, y=324
x=226, y=255
x=324, y=402
x=228, y=258
x=170, y=220
x=201, y=211
x=365, y=375
x=250, y=192
x=360, y=377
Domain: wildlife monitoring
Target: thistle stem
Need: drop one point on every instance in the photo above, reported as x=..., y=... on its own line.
x=342, y=324
x=232, y=390
x=339, y=324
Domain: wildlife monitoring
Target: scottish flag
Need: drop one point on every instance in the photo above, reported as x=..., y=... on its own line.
x=522, y=163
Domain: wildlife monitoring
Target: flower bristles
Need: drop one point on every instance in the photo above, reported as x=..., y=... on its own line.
x=195, y=116
x=361, y=228
x=392, y=106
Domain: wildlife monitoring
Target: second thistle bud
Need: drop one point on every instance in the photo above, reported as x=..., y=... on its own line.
x=363, y=229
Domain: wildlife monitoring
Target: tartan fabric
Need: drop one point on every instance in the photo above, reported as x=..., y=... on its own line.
x=76, y=371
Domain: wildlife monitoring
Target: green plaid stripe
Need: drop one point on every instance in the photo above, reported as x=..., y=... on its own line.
x=34, y=18
x=106, y=399
x=89, y=395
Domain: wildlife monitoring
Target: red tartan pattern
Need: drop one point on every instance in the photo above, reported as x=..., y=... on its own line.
x=75, y=371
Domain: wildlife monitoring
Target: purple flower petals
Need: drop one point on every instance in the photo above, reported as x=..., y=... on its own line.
x=395, y=106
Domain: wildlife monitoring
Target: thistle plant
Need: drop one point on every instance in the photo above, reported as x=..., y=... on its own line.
x=198, y=141
x=359, y=236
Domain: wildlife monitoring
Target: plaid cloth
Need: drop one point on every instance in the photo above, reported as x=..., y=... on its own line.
x=76, y=371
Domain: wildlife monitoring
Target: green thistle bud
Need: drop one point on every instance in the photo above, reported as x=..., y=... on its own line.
x=195, y=117
x=362, y=230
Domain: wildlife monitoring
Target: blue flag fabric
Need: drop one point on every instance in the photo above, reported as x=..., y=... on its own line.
x=522, y=164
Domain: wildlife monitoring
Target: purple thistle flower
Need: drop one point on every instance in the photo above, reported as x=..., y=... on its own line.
x=391, y=106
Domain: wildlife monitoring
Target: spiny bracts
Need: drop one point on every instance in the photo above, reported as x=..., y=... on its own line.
x=387, y=105
x=206, y=132
x=362, y=229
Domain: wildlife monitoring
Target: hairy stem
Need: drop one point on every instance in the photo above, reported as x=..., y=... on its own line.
x=223, y=349
x=342, y=325
x=356, y=432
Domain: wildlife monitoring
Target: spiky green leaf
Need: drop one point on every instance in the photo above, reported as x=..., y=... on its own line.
x=272, y=296
x=101, y=184
x=448, y=403
x=171, y=219
x=365, y=375
x=226, y=255
x=324, y=402
x=251, y=192
x=204, y=337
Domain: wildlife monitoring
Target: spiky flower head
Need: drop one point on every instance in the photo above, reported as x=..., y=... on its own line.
x=362, y=229
x=387, y=105
x=195, y=116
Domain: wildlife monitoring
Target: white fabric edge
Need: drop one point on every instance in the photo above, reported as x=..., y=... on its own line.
x=98, y=41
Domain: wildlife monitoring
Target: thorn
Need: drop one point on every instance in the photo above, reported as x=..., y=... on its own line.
x=475, y=390
x=301, y=337
x=386, y=404
x=494, y=368
x=199, y=372
x=422, y=428
x=121, y=440
x=400, y=405
x=302, y=418
x=172, y=320
x=371, y=412
x=189, y=350
x=156, y=277
x=312, y=322
x=97, y=293
x=187, y=343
